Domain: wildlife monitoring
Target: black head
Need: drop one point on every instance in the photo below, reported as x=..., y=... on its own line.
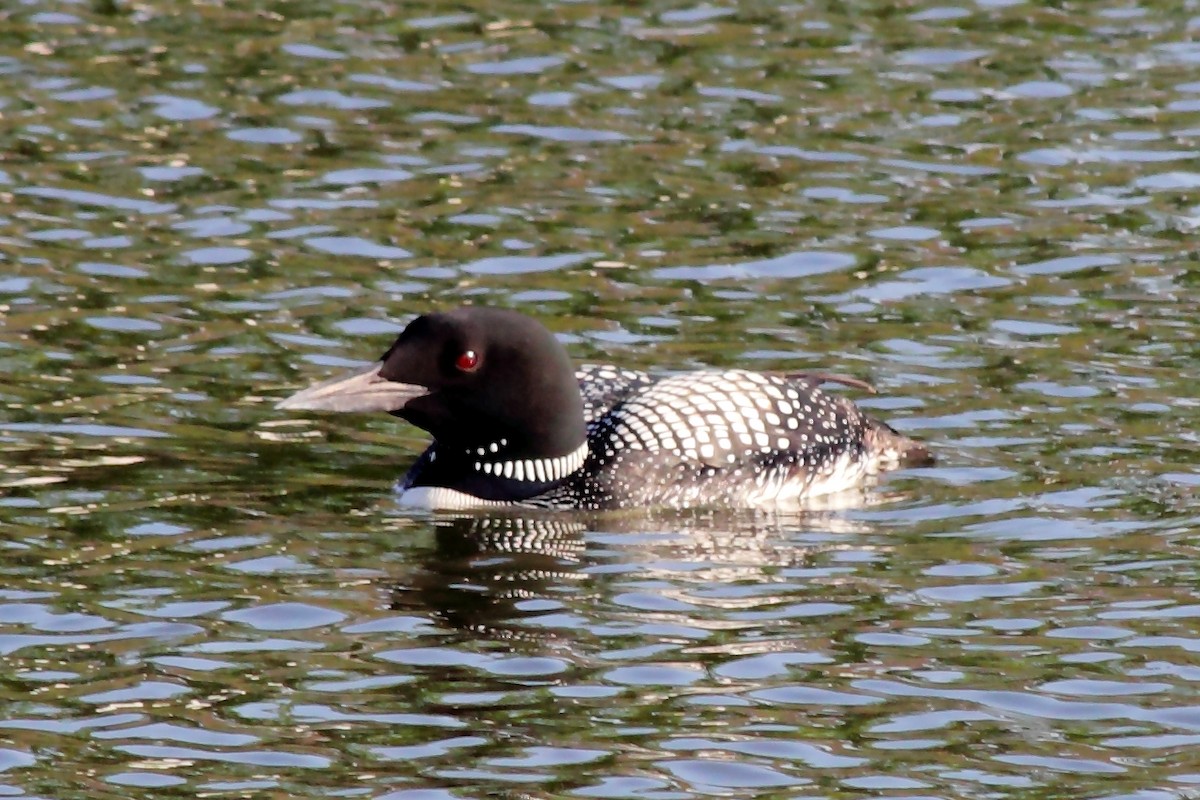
x=470, y=377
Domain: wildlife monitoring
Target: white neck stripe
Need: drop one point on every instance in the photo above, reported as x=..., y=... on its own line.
x=539, y=470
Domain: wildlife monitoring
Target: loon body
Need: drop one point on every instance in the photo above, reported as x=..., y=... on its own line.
x=514, y=424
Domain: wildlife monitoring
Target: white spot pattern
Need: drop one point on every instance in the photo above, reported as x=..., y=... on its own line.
x=735, y=438
x=728, y=438
x=542, y=470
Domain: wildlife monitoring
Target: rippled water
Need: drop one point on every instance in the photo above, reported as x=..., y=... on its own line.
x=987, y=209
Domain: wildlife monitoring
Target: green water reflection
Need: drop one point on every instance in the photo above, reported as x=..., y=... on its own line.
x=986, y=209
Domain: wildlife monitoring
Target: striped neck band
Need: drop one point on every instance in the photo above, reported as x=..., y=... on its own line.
x=541, y=470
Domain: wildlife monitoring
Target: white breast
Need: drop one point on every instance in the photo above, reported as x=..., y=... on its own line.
x=435, y=498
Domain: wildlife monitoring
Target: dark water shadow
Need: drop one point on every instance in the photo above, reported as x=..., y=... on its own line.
x=514, y=577
x=482, y=569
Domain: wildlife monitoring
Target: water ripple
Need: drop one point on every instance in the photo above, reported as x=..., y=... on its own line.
x=984, y=209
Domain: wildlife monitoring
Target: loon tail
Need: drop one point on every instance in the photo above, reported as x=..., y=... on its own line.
x=893, y=449
x=890, y=448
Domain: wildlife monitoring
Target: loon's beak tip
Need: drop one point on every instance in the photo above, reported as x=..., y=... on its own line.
x=291, y=403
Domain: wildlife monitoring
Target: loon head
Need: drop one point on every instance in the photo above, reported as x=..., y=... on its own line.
x=470, y=377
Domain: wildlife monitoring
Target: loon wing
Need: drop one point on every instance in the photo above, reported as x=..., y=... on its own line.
x=604, y=386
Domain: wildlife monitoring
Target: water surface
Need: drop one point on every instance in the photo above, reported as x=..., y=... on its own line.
x=986, y=209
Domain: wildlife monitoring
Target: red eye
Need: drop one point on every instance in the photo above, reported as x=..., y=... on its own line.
x=467, y=361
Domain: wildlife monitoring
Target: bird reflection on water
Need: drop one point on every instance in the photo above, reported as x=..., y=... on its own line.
x=531, y=576
x=485, y=574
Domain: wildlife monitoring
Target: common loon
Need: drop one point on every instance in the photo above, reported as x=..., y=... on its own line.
x=514, y=424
